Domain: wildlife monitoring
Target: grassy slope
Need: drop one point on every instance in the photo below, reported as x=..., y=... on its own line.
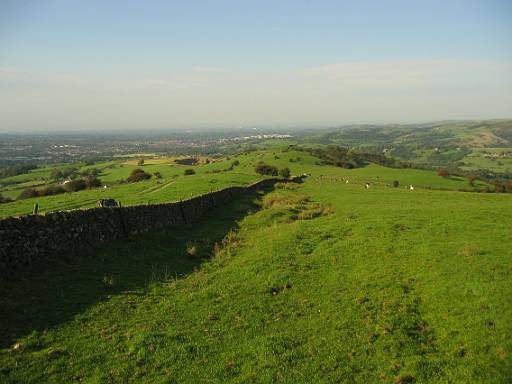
x=172, y=186
x=175, y=186
x=393, y=285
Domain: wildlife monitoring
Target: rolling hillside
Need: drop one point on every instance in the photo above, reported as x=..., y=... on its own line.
x=174, y=185
x=466, y=144
x=318, y=282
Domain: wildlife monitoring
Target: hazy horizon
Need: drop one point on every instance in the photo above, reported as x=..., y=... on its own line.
x=124, y=66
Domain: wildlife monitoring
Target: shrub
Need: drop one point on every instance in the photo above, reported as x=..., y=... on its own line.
x=396, y=183
x=235, y=163
x=92, y=182
x=16, y=170
x=140, y=163
x=158, y=175
x=443, y=173
x=51, y=190
x=48, y=191
x=90, y=172
x=284, y=172
x=76, y=185
x=265, y=169
x=189, y=171
x=187, y=161
x=56, y=174
x=27, y=194
x=138, y=175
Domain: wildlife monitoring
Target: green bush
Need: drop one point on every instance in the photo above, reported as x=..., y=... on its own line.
x=284, y=172
x=27, y=194
x=75, y=185
x=90, y=172
x=92, y=182
x=189, y=171
x=138, y=175
x=51, y=190
x=265, y=169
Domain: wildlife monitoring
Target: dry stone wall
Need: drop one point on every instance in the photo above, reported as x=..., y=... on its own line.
x=36, y=237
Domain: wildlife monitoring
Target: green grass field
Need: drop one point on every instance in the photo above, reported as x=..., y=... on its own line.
x=174, y=185
x=324, y=283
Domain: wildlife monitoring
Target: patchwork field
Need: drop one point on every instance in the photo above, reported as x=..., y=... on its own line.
x=317, y=282
x=219, y=173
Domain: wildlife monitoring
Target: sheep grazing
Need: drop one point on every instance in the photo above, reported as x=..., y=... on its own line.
x=346, y=181
x=367, y=185
x=411, y=188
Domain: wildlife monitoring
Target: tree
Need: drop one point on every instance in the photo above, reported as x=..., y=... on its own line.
x=92, y=182
x=76, y=185
x=138, y=175
x=265, y=169
x=90, y=172
x=56, y=174
x=396, y=183
x=284, y=172
x=69, y=172
x=443, y=172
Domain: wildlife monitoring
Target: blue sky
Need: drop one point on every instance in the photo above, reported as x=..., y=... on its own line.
x=185, y=64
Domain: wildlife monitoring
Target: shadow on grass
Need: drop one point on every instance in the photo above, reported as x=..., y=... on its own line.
x=51, y=294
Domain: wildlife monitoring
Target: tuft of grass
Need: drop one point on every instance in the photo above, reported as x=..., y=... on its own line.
x=279, y=200
x=315, y=210
x=231, y=239
x=108, y=281
x=289, y=186
x=191, y=250
x=469, y=250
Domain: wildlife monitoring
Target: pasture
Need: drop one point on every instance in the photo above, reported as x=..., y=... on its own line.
x=219, y=173
x=322, y=282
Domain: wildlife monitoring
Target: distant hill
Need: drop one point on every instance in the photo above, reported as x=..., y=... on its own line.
x=466, y=144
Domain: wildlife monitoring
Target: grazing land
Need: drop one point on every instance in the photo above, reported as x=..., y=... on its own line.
x=324, y=281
